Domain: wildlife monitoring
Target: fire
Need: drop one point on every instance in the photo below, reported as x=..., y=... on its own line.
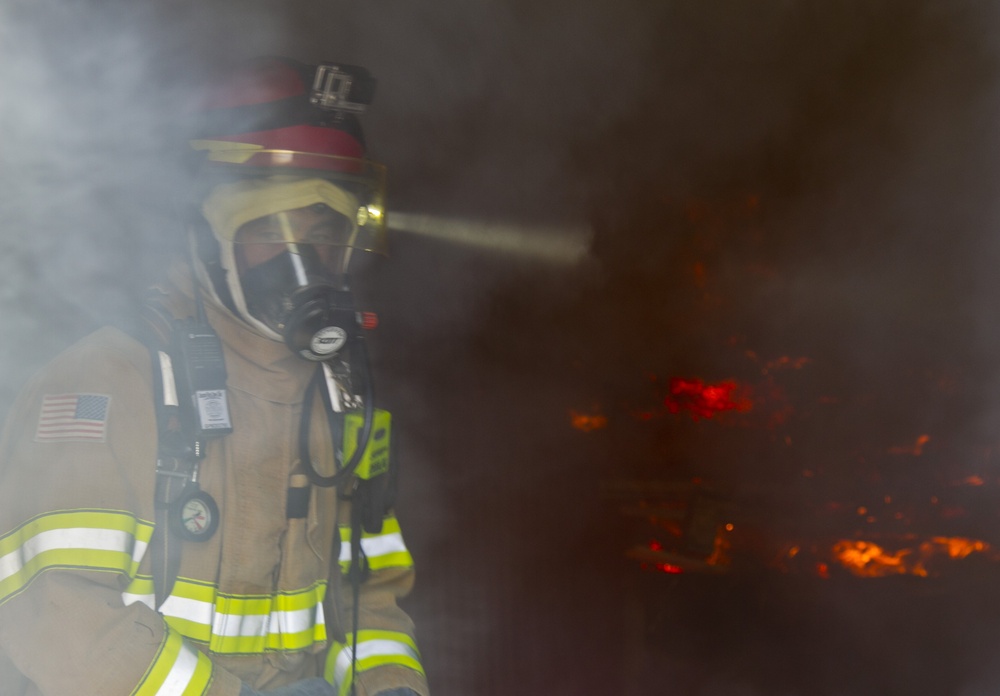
x=867, y=559
x=955, y=547
x=587, y=422
x=706, y=400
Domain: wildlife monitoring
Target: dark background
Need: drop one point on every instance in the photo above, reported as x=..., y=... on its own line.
x=778, y=179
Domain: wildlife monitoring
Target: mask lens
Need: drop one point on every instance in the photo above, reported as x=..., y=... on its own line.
x=315, y=224
x=281, y=256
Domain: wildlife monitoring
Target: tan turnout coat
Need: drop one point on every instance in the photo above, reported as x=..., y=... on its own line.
x=263, y=601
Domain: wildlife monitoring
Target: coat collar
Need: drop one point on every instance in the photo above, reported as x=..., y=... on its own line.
x=256, y=365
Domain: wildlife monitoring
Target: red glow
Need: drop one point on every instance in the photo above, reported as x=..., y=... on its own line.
x=705, y=400
x=667, y=568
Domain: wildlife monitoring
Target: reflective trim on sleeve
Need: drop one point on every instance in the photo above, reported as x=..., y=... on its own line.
x=383, y=550
x=375, y=649
x=141, y=589
x=239, y=624
x=104, y=540
x=177, y=670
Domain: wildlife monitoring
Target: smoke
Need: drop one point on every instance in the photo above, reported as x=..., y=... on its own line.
x=865, y=131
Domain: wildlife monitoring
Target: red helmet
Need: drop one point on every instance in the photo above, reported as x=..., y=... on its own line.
x=279, y=116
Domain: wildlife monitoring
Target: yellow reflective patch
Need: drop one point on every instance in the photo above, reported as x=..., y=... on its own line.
x=246, y=624
x=385, y=549
x=376, y=648
x=101, y=540
x=176, y=665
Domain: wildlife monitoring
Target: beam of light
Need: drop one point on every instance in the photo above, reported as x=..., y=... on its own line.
x=566, y=244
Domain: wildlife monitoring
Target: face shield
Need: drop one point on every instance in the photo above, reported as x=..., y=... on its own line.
x=286, y=245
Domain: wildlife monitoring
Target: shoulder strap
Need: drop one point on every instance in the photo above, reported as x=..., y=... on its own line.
x=173, y=468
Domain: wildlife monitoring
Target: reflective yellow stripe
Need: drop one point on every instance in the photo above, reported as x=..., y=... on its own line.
x=239, y=624
x=104, y=540
x=375, y=649
x=383, y=550
x=141, y=589
x=177, y=670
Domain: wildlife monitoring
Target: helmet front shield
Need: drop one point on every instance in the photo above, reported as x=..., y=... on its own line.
x=364, y=179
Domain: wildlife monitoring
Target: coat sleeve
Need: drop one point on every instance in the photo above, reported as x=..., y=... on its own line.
x=77, y=465
x=386, y=650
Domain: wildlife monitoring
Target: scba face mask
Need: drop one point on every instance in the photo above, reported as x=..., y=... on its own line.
x=286, y=245
x=293, y=272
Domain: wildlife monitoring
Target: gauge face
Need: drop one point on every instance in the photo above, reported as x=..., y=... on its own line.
x=196, y=516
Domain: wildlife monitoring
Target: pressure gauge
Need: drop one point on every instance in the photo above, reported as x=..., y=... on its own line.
x=195, y=516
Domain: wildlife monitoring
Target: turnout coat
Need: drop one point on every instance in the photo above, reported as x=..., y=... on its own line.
x=264, y=601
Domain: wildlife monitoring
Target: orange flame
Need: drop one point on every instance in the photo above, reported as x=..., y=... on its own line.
x=869, y=560
x=955, y=547
x=586, y=422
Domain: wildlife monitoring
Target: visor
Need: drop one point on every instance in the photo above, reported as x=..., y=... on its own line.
x=361, y=179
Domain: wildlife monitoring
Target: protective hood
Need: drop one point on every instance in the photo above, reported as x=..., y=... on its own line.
x=231, y=205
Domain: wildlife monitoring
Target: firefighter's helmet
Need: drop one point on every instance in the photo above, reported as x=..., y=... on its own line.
x=274, y=116
x=276, y=136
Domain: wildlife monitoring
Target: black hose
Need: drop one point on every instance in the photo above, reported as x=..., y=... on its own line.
x=366, y=429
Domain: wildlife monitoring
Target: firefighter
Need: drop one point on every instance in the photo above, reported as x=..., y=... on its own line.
x=181, y=509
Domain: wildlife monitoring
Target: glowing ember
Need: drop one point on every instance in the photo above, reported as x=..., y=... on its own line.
x=955, y=547
x=916, y=449
x=705, y=400
x=586, y=422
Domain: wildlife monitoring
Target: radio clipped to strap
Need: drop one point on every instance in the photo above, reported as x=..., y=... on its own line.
x=201, y=378
x=189, y=384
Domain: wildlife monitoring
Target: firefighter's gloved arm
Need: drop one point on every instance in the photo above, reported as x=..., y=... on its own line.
x=306, y=687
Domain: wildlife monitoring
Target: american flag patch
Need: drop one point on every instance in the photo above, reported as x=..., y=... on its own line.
x=73, y=418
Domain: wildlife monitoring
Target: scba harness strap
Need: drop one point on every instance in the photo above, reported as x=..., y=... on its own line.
x=183, y=511
x=367, y=475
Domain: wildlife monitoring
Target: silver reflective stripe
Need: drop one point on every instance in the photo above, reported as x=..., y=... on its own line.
x=139, y=550
x=188, y=609
x=370, y=648
x=298, y=620
x=237, y=625
x=375, y=546
x=10, y=564
x=181, y=673
x=86, y=538
x=131, y=598
x=234, y=625
x=167, y=378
